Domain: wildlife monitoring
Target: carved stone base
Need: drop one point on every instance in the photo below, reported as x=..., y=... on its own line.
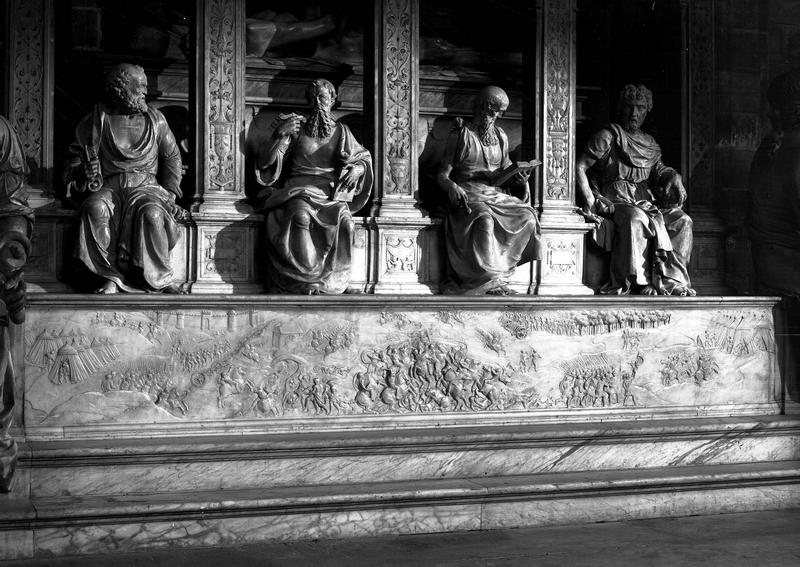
x=180, y=363
x=562, y=265
x=92, y=497
x=227, y=256
x=410, y=255
x=170, y=417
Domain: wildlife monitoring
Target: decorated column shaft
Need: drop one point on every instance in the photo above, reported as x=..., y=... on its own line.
x=563, y=230
x=226, y=229
x=406, y=243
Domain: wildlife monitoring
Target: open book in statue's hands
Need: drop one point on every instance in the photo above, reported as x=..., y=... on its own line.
x=503, y=175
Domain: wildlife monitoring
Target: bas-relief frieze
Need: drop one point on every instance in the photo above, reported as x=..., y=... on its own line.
x=148, y=366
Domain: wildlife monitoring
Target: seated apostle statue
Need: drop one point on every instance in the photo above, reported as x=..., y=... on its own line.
x=637, y=204
x=490, y=226
x=317, y=175
x=126, y=161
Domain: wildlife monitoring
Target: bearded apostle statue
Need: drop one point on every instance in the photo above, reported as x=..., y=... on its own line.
x=125, y=160
x=490, y=226
x=316, y=176
x=636, y=203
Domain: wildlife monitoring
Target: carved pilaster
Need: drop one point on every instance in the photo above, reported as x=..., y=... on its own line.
x=396, y=177
x=30, y=81
x=563, y=230
x=220, y=82
x=401, y=237
x=700, y=22
x=707, y=266
x=226, y=228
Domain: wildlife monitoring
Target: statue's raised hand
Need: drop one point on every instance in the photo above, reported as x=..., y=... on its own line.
x=289, y=125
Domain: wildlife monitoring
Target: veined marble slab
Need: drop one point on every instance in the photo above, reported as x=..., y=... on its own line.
x=293, y=362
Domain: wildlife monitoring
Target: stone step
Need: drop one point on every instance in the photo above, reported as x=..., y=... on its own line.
x=54, y=526
x=267, y=461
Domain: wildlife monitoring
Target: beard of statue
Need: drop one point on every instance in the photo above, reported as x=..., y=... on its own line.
x=487, y=132
x=320, y=124
x=130, y=101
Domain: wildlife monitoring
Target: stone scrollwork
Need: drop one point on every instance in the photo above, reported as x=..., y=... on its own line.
x=702, y=101
x=557, y=153
x=558, y=87
x=561, y=256
x=221, y=110
x=397, y=94
x=28, y=85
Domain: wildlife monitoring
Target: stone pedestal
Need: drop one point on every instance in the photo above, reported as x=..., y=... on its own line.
x=214, y=420
x=707, y=267
x=410, y=255
x=563, y=229
x=226, y=253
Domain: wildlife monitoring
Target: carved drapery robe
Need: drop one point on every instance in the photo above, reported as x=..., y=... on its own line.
x=300, y=199
x=499, y=232
x=650, y=239
x=14, y=212
x=127, y=227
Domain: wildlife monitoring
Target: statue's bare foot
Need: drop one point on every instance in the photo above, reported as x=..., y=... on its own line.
x=648, y=290
x=351, y=290
x=501, y=290
x=174, y=288
x=684, y=292
x=107, y=288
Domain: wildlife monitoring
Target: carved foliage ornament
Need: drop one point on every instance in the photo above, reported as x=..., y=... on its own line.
x=702, y=88
x=28, y=75
x=558, y=92
x=220, y=90
x=397, y=94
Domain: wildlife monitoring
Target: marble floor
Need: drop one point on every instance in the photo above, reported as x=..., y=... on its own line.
x=730, y=540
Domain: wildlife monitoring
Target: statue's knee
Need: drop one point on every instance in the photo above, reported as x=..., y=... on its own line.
x=153, y=216
x=96, y=209
x=484, y=223
x=629, y=217
x=301, y=219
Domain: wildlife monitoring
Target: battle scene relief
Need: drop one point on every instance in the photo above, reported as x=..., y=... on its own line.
x=172, y=365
